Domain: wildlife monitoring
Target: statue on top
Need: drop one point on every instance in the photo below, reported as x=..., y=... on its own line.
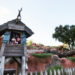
x=19, y=15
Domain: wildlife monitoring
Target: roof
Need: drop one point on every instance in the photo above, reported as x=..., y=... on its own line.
x=17, y=26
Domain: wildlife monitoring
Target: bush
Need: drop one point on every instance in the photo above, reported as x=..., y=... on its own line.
x=42, y=55
x=53, y=68
x=72, y=59
x=38, y=73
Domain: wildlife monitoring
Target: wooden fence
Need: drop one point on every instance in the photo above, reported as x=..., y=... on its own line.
x=69, y=71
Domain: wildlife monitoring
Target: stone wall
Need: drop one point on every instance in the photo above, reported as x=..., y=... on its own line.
x=38, y=64
x=67, y=63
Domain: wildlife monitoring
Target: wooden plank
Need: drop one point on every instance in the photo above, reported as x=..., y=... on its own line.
x=12, y=54
x=31, y=73
x=14, y=50
x=50, y=72
x=45, y=72
x=41, y=73
x=2, y=65
x=2, y=58
x=2, y=49
x=36, y=73
x=23, y=65
x=24, y=62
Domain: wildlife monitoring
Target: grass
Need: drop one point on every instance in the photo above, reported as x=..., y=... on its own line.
x=42, y=55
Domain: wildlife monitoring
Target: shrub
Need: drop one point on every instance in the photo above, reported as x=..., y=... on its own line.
x=72, y=59
x=52, y=68
x=38, y=73
x=42, y=55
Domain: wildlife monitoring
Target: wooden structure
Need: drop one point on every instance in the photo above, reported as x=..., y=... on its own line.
x=11, y=48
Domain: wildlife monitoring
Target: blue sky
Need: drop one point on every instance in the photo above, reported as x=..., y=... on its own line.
x=42, y=16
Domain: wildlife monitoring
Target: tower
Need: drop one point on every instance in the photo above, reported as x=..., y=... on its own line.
x=14, y=33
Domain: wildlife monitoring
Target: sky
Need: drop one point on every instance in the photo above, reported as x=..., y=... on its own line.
x=42, y=16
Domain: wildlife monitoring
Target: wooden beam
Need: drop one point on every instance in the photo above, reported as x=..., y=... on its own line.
x=23, y=65
x=18, y=60
x=2, y=65
x=2, y=49
x=24, y=62
x=2, y=59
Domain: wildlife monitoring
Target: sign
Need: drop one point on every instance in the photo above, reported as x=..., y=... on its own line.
x=16, y=27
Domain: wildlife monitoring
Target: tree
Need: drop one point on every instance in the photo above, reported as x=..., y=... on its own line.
x=65, y=34
x=29, y=43
x=41, y=44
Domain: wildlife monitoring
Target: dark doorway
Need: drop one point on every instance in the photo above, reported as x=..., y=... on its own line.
x=10, y=72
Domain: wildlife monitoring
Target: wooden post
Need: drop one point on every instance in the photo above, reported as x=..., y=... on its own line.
x=2, y=65
x=23, y=65
x=2, y=58
x=5, y=41
x=2, y=49
x=23, y=41
x=24, y=62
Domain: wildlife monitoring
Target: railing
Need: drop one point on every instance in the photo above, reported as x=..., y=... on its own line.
x=69, y=71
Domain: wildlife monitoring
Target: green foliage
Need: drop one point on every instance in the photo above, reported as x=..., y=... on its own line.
x=55, y=46
x=53, y=68
x=42, y=55
x=65, y=34
x=48, y=70
x=29, y=43
x=41, y=44
x=56, y=67
x=33, y=47
x=35, y=74
x=72, y=59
